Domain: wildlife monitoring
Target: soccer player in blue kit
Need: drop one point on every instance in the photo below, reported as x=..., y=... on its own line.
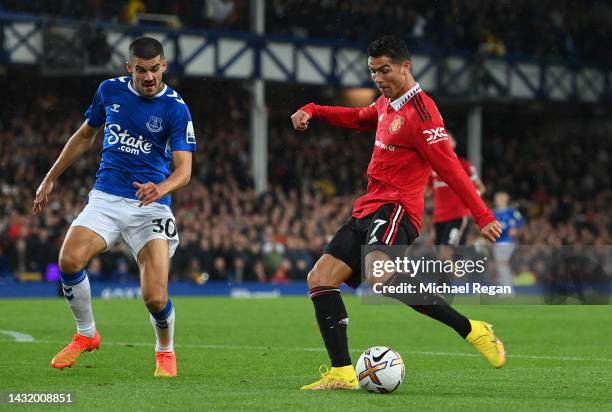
x=147, y=129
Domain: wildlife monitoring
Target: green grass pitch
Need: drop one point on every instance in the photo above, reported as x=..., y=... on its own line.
x=254, y=354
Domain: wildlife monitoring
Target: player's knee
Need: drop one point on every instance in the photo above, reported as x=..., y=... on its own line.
x=155, y=303
x=71, y=262
x=318, y=278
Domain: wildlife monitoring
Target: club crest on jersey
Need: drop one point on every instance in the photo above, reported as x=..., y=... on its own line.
x=154, y=124
x=396, y=124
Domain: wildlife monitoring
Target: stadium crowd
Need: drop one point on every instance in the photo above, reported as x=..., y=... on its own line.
x=561, y=184
x=568, y=28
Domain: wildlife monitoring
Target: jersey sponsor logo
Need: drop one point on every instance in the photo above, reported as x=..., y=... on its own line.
x=154, y=124
x=435, y=135
x=115, y=107
x=127, y=142
x=383, y=146
x=396, y=124
x=190, y=134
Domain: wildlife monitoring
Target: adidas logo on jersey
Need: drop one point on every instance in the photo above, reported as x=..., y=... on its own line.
x=129, y=143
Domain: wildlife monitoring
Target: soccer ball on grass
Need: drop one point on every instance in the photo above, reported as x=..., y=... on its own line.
x=380, y=369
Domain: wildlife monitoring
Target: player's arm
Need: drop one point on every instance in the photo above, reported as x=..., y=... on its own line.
x=150, y=192
x=480, y=187
x=473, y=174
x=440, y=155
x=78, y=144
x=359, y=118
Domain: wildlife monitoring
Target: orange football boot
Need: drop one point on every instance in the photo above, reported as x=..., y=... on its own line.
x=69, y=355
x=165, y=365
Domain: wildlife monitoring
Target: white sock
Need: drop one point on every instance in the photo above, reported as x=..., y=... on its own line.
x=163, y=324
x=78, y=295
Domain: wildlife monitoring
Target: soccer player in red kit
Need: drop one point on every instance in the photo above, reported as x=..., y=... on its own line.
x=410, y=140
x=451, y=217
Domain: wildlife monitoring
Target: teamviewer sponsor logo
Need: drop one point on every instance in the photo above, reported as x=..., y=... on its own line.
x=127, y=142
x=383, y=146
x=435, y=135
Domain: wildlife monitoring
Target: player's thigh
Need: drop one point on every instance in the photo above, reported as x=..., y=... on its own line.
x=153, y=262
x=80, y=245
x=341, y=260
x=94, y=230
x=151, y=222
x=389, y=234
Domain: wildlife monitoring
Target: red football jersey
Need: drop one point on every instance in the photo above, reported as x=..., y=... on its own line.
x=410, y=140
x=447, y=205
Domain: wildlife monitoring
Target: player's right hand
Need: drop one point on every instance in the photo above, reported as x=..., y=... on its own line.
x=300, y=120
x=491, y=231
x=41, y=195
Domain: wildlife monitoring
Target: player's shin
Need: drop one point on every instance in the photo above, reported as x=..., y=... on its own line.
x=429, y=304
x=77, y=291
x=332, y=318
x=163, y=324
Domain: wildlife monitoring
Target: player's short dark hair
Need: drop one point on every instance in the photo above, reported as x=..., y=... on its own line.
x=391, y=46
x=146, y=48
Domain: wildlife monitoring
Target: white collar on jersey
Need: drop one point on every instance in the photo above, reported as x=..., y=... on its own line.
x=398, y=103
x=161, y=93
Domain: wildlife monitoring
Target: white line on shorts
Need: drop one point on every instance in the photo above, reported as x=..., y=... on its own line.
x=313, y=349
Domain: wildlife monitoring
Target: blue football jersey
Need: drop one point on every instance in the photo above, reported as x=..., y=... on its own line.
x=509, y=218
x=140, y=134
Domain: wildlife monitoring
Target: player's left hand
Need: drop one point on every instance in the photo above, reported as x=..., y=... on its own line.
x=147, y=193
x=491, y=231
x=42, y=194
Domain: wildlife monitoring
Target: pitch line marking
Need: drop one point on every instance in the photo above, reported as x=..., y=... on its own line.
x=297, y=349
x=18, y=336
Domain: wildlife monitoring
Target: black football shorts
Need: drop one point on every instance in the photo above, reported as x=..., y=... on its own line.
x=452, y=232
x=388, y=226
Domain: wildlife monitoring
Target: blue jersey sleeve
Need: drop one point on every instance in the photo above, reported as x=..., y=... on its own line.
x=517, y=218
x=95, y=114
x=182, y=136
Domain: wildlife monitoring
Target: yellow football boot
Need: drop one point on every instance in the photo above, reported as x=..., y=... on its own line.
x=484, y=340
x=336, y=378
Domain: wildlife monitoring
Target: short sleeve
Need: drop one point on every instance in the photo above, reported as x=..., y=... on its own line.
x=182, y=135
x=95, y=114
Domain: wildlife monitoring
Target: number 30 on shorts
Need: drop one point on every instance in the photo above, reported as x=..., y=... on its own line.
x=167, y=226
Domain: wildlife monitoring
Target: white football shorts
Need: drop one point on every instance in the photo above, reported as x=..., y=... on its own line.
x=502, y=252
x=110, y=216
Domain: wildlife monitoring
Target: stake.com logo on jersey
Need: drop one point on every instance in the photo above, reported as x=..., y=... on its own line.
x=435, y=135
x=129, y=143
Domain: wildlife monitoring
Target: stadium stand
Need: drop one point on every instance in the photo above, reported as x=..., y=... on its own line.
x=576, y=29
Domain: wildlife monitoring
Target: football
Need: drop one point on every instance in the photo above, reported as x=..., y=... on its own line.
x=380, y=369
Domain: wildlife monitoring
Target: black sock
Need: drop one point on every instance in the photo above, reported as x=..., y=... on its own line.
x=333, y=321
x=430, y=304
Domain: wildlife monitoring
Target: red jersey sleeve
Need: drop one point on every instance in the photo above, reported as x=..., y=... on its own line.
x=432, y=143
x=360, y=118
